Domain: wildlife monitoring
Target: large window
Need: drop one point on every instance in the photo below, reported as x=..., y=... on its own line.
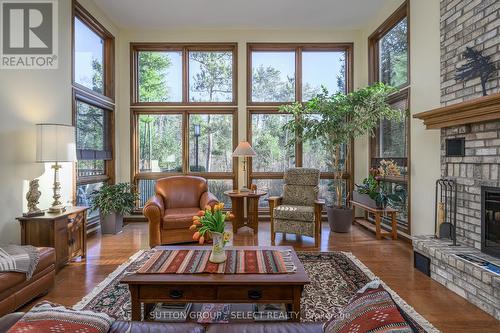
x=93, y=105
x=183, y=74
x=389, y=63
x=176, y=142
x=284, y=73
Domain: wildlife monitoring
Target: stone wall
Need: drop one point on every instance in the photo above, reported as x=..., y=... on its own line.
x=473, y=23
x=479, y=167
x=477, y=285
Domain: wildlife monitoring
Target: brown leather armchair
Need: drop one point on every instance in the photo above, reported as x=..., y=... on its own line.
x=170, y=211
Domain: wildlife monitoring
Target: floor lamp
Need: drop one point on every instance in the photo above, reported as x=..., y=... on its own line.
x=244, y=150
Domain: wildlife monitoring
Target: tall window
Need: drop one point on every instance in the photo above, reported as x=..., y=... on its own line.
x=183, y=74
x=192, y=138
x=284, y=73
x=176, y=142
x=389, y=63
x=93, y=105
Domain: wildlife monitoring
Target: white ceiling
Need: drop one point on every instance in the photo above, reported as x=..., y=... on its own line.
x=240, y=14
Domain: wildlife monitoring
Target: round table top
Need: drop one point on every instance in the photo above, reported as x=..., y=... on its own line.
x=239, y=194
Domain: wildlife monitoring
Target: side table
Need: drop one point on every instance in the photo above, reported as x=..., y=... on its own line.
x=66, y=232
x=238, y=208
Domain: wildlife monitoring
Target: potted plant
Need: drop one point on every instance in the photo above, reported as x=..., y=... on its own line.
x=373, y=192
x=335, y=120
x=113, y=201
x=211, y=222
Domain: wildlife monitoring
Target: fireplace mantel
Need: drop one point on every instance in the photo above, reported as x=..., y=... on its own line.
x=481, y=109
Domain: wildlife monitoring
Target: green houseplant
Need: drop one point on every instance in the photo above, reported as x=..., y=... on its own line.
x=335, y=120
x=113, y=201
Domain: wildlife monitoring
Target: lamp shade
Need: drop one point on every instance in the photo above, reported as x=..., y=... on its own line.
x=244, y=150
x=55, y=143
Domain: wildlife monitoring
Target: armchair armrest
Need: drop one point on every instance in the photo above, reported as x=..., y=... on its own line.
x=208, y=198
x=154, y=210
x=319, y=202
x=276, y=200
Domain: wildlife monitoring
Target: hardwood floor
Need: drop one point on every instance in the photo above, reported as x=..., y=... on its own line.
x=390, y=260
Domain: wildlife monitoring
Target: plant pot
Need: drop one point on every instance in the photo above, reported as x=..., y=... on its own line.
x=364, y=199
x=340, y=219
x=218, y=254
x=111, y=223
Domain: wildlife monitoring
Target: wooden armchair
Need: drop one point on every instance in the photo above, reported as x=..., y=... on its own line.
x=298, y=210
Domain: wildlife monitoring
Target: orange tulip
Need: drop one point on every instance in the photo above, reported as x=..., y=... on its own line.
x=201, y=213
x=202, y=240
x=196, y=222
x=196, y=236
x=231, y=216
x=193, y=227
x=208, y=207
x=196, y=218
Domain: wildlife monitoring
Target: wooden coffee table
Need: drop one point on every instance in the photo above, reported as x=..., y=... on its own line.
x=218, y=288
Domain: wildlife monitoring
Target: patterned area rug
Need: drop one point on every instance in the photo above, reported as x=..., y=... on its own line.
x=335, y=278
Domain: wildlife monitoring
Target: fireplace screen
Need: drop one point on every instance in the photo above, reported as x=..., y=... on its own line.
x=490, y=222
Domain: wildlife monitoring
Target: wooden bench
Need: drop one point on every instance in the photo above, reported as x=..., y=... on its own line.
x=378, y=219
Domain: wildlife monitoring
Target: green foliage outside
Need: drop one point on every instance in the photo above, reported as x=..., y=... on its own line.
x=393, y=53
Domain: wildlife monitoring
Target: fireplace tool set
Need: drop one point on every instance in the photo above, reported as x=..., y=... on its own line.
x=445, y=218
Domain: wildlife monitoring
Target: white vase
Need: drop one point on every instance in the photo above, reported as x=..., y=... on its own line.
x=218, y=254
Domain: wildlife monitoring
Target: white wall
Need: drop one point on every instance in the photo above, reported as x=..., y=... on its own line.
x=239, y=36
x=425, y=55
x=28, y=97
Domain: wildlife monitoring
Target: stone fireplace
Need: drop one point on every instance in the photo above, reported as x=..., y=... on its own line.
x=490, y=220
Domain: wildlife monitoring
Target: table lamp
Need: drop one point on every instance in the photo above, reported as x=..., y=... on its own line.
x=55, y=143
x=244, y=150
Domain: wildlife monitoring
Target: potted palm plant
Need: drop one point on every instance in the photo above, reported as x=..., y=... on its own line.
x=335, y=120
x=113, y=201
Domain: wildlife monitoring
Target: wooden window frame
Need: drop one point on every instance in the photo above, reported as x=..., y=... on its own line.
x=404, y=92
x=137, y=175
x=105, y=101
x=185, y=48
x=374, y=39
x=298, y=48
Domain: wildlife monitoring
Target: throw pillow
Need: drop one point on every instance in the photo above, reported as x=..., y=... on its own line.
x=372, y=309
x=48, y=317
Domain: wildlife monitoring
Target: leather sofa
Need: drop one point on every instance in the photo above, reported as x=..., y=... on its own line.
x=170, y=211
x=148, y=327
x=15, y=290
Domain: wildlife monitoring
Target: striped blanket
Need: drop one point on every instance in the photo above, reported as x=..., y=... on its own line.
x=16, y=258
x=238, y=262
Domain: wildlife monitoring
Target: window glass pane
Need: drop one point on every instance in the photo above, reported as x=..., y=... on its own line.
x=83, y=193
x=392, y=139
x=273, y=76
x=89, y=51
x=211, y=76
x=90, y=168
x=210, y=142
x=322, y=69
x=327, y=190
x=401, y=189
x=218, y=187
x=90, y=125
x=160, y=76
x=273, y=187
x=146, y=188
x=393, y=55
x=270, y=143
x=160, y=143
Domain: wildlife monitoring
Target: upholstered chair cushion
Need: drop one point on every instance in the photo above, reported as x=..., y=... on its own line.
x=297, y=213
x=302, y=176
x=300, y=195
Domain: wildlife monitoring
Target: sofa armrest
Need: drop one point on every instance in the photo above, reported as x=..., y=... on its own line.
x=209, y=199
x=9, y=320
x=154, y=210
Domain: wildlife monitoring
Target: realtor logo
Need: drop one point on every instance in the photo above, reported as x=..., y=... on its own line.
x=29, y=34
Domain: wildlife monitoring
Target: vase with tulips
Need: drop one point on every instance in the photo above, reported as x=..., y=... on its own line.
x=211, y=221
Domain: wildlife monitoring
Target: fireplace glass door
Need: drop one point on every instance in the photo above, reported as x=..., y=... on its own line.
x=490, y=224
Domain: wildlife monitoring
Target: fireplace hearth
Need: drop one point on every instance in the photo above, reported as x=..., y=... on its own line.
x=490, y=220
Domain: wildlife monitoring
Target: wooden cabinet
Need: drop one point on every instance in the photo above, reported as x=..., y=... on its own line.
x=66, y=232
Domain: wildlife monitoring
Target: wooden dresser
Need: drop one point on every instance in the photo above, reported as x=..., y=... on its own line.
x=66, y=232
